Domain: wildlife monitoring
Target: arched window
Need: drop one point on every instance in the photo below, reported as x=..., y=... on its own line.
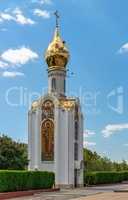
x=64, y=86
x=53, y=84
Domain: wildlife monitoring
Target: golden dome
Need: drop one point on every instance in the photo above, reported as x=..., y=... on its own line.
x=57, y=54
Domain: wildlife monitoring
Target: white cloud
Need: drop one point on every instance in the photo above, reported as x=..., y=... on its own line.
x=42, y=13
x=8, y=74
x=123, y=49
x=19, y=56
x=15, y=15
x=88, y=144
x=111, y=129
x=6, y=16
x=3, y=65
x=88, y=133
x=21, y=19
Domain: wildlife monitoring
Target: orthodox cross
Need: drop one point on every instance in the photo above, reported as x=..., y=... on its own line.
x=57, y=18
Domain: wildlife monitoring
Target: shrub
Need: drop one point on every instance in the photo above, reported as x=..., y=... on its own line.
x=93, y=178
x=25, y=180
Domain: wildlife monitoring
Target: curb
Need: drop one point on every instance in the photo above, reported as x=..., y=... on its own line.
x=10, y=195
x=121, y=191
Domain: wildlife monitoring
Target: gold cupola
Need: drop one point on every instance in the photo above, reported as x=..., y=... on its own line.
x=57, y=54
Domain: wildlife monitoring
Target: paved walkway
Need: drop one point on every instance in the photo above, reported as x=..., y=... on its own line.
x=89, y=193
x=107, y=196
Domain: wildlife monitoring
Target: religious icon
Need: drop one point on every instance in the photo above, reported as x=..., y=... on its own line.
x=47, y=140
x=47, y=131
x=47, y=109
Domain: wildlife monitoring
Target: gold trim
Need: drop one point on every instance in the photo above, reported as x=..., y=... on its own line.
x=56, y=68
x=35, y=105
x=67, y=104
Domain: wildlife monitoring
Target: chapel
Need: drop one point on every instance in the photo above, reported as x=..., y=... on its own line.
x=55, y=122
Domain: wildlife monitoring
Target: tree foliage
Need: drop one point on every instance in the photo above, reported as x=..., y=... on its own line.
x=94, y=162
x=13, y=155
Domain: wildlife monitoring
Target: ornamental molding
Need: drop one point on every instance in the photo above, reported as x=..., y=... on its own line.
x=67, y=104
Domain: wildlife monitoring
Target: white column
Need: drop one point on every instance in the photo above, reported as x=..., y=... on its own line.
x=66, y=149
x=36, y=137
x=71, y=147
x=29, y=138
x=56, y=145
x=39, y=139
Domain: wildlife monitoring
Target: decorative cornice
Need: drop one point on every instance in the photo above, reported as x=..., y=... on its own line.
x=67, y=104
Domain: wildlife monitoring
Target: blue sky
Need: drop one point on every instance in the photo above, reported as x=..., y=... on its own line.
x=96, y=32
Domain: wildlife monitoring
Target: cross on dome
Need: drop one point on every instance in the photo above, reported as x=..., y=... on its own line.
x=57, y=18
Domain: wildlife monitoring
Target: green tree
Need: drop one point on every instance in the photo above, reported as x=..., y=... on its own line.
x=124, y=165
x=13, y=155
x=94, y=162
